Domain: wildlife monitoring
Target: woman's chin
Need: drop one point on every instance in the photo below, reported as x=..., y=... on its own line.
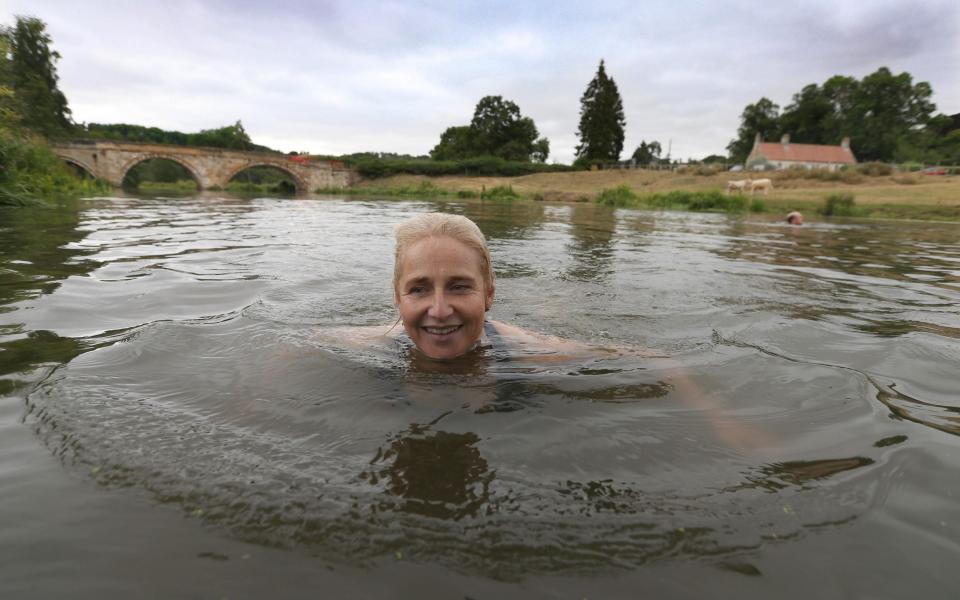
x=445, y=353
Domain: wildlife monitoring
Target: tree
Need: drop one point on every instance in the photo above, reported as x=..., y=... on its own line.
x=887, y=109
x=646, y=154
x=807, y=118
x=233, y=137
x=541, y=150
x=497, y=129
x=601, y=119
x=455, y=144
x=33, y=77
x=713, y=159
x=761, y=117
x=886, y=117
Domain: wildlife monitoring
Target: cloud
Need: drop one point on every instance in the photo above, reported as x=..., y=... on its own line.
x=391, y=76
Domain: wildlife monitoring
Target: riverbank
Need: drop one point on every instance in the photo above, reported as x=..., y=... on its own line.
x=905, y=196
x=31, y=173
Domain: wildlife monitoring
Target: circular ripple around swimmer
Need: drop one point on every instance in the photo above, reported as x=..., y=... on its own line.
x=288, y=443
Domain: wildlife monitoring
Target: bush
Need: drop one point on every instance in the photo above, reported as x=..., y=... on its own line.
x=500, y=192
x=850, y=177
x=466, y=194
x=622, y=196
x=875, y=169
x=29, y=172
x=840, y=205
x=702, y=170
x=374, y=168
x=907, y=179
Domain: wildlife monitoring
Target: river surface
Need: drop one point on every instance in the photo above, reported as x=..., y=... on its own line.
x=771, y=411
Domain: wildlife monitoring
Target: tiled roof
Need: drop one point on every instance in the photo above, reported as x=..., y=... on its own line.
x=804, y=153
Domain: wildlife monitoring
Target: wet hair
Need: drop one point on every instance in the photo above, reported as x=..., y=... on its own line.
x=429, y=225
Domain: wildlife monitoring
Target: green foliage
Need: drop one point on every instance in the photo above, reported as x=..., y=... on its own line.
x=887, y=117
x=372, y=167
x=455, y=143
x=157, y=170
x=602, y=122
x=840, y=205
x=29, y=69
x=587, y=164
x=29, y=172
x=710, y=200
x=875, y=169
x=761, y=118
x=500, y=192
x=647, y=154
x=701, y=170
x=231, y=137
x=622, y=195
x=497, y=129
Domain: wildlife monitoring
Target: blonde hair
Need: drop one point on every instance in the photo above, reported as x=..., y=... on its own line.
x=428, y=225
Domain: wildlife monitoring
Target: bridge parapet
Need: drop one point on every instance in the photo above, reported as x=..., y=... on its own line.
x=210, y=167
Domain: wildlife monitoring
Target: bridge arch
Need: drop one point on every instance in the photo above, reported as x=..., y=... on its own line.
x=301, y=185
x=80, y=165
x=201, y=184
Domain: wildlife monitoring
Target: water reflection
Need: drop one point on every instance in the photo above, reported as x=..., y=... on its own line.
x=36, y=255
x=778, y=476
x=36, y=251
x=592, y=229
x=432, y=473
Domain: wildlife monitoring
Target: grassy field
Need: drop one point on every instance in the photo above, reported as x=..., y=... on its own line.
x=894, y=196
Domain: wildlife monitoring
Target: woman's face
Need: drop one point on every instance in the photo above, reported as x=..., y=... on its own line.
x=442, y=297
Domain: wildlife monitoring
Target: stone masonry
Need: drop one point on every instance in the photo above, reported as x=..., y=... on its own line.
x=210, y=167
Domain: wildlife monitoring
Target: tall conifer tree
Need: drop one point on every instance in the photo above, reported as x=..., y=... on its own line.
x=34, y=78
x=601, y=119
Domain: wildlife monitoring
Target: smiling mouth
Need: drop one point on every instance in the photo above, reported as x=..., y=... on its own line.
x=442, y=330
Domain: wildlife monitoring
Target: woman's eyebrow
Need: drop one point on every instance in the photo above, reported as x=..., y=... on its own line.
x=416, y=281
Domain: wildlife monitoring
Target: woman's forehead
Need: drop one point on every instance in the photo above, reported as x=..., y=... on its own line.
x=440, y=253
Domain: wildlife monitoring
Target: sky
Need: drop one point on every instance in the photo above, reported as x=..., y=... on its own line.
x=336, y=77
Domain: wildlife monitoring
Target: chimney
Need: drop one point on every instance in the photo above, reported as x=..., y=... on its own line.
x=757, y=140
x=785, y=139
x=845, y=143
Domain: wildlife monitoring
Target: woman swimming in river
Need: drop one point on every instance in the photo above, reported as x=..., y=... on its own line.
x=443, y=287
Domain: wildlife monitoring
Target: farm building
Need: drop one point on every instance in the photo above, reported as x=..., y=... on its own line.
x=811, y=156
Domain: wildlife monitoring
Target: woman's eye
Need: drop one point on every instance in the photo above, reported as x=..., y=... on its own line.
x=460, y=287
x=417, y=290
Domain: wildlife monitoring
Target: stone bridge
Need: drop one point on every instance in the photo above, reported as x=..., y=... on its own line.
x=210, y=167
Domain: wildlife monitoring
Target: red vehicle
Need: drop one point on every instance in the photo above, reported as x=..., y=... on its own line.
x=935, y=171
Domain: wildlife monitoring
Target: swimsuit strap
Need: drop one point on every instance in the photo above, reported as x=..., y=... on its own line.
x=492, y=334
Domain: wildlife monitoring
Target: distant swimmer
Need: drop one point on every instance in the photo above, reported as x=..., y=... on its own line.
x=795, y=218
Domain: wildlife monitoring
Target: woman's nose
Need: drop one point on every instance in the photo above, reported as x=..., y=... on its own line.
x=440, y=308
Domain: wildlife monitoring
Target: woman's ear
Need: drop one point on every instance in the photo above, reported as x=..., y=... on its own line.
x=488, y=300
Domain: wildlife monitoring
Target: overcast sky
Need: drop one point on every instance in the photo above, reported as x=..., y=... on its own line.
x=339, y=77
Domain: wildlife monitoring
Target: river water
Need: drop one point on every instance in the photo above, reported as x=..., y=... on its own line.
x=775, y=411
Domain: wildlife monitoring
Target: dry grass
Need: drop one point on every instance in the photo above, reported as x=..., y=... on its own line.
x=585, y=185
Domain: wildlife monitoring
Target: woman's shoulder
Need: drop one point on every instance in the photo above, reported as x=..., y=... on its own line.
x=543, y=346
